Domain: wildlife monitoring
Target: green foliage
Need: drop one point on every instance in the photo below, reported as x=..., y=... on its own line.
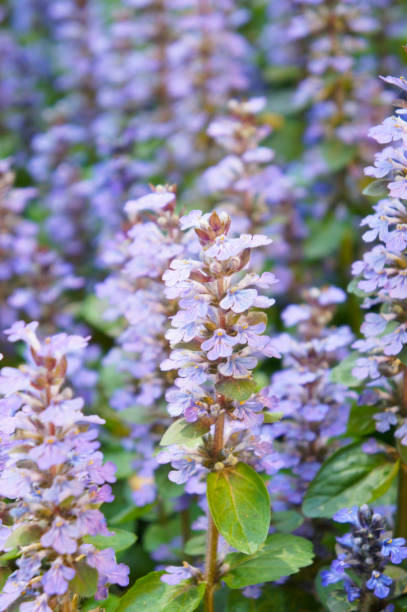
x=240, y=506
x=324, y=238
x=237, y=389
x=85, y=581
x=349, y=477
x=23, y=536
x=157, y=534
x=184, y=433
x=342, y=373
x=361, y=421
x=286, y=521
x=337, y=154
x=119, y=540
x=150, y=593
x=196, y=545
x=333, y=596
x=92, y=309
x=377, y=189
x=281, y=555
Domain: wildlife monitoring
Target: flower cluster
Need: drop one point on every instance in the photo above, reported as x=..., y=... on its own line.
x=381, y=277
x=33, y=278
x=365, y=551
x=314, y=408
x=140, y=254
x=216, y=337
x=258, y=195
x=54, y=477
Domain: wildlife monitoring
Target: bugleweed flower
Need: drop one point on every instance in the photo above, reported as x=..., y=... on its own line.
x=365, y=551
x=217, y=336
x=139, y=255
x=253, y=189
x=54, y=479
x=33, y=278
x=381, y=275
x=315, y=409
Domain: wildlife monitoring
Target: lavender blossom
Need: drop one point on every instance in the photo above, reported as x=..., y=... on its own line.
x=53, y=476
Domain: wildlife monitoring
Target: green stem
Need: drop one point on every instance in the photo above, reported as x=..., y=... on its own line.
x=401, y=517
x=211, y=565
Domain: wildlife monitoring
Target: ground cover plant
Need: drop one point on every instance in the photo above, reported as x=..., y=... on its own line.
x=203, y=306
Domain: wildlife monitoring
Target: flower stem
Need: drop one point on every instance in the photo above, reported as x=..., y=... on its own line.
x=401, y=517
x=213, y=533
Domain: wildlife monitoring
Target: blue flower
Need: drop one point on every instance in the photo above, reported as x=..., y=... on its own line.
x=395, y=549
x=379, y=584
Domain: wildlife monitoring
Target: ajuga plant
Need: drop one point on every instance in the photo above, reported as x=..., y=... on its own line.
x=54, y=481
x=257, y=193
x=216, y=446
x=139, y=256
x=33, y=278
x=363, y=555
x=315, y=408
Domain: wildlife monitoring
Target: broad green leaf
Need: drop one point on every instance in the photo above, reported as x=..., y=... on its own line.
x=281, y=555
x=342, y=373
x=337, y=154
x=403, y=356
x=92, y=309
x=399, y=577
x=23, y=535
x=107, y=605
x=361, y=421
x=286, y=521
x=353, y=288
x=377, y=188
x=150, y=593
x=350, y=477
x=385, y=485
x=120, y=540
x=130, y=514
x=182, y=432
x=196, y=545
x=240, y=506
x=85, y=581
x=237, y=389
x=8, y=556
x=272, y=599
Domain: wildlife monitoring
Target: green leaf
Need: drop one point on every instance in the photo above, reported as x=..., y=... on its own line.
x=196, y=545
x=353, y=288
x=240, y=506
x=385, y=485
x=377, y=188
x=337, y=154
x=286, y=521
x=150, y=593
x=399, y=577
x=107, y=605
x=184, y=433
x=361, y=421
x=272, y=417
x=403, y=356
x=123, y=461
x=130, y=514
x=85, y=581
x=342, y=373
x=350, y=477
x=23, y=536
x=157, y=534
x=281, y=555
x=120, y=540
x=324, y=238
x=8, y=556
x=237, y=389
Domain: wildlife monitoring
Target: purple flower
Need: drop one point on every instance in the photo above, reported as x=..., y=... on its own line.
x=219, y=345
x=335, y=573
x=239, y=300
x=347, y=515
x=379, y=584
x=395, y=549
x=175, y=574
x=61, y=537
x=55, y=580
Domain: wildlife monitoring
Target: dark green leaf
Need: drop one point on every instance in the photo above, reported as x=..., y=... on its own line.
x=333, y=596
x=85, y=581
x=324, y=238
x=240, y=506
x=120, y=540
x=184, y=433
x=157, y=534
x=130, y=514
x=281, y=555
x=23, y=535
x=107, y=605
x=237, y=389
x=399, y=577
x=342, y=373
x=337, y=154
x=286, y=521
x=123, y=461
x=350, y=477
x=361, y=421
x=150, y=593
